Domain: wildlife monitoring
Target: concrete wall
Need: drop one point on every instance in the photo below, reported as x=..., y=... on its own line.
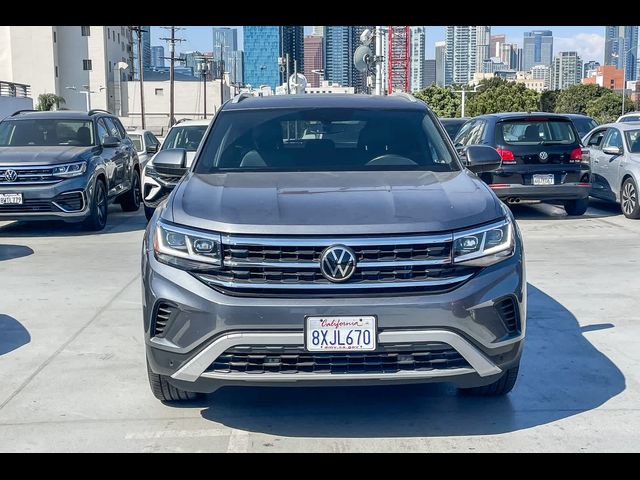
x=9, y=105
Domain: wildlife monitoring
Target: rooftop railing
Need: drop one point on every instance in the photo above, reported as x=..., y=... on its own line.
x=10, y=89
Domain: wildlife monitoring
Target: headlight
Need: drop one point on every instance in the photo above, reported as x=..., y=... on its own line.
x=184, y=248
x=70, y=169
x=484, y=246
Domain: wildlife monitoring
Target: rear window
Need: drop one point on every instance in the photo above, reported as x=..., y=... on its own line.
x=631, y=118
x=324, y=139
x=535, y=132
x=633, y=140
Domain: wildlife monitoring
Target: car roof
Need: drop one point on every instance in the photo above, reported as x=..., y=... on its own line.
x=576, y=115
x=516, y=115
x=56, y=114
x=203, y=121
x=452, y=120
x=328, y=100
x=622, y=125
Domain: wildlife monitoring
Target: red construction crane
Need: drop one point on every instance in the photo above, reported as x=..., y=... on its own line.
x=398, y=59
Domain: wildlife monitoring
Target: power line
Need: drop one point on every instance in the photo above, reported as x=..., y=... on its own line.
x=172, y=40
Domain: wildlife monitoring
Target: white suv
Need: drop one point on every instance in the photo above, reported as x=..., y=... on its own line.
x=157, y=185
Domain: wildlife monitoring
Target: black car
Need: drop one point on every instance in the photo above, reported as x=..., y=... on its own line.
x=583, y=123
x=452, y=125
x=541, y=158
x=67, y=166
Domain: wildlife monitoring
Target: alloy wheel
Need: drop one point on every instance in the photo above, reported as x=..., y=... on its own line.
x=629, y=198
x=101, y=204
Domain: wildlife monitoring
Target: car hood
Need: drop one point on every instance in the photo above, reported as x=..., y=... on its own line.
x=42, y=155
x=330, y=203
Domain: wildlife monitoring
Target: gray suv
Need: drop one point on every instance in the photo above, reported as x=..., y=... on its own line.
x=331, y=240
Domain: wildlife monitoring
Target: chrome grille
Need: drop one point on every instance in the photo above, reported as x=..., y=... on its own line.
x=30, y=175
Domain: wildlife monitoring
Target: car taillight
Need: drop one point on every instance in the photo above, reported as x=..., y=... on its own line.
x=576, y=155
x=506, y=155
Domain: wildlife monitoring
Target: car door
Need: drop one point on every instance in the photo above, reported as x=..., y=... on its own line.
x=609, y=164
x=108, y=154
x=593, y=145
x=120, y=158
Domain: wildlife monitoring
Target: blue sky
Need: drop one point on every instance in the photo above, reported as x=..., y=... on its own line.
x=588, y=41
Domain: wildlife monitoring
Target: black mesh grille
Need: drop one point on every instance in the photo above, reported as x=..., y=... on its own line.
x=164, y=313
x=29, y=205
x=509, y=314
x=294, y=359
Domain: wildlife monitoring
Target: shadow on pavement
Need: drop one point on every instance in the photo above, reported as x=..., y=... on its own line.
x=9, y=252
x=117, y=222
x=562, y=374
x=597, y=209
x=12, y=334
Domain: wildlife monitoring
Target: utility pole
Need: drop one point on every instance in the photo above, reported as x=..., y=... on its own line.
x=139, y=31
x=221, y=73
x=172, y=46
x=378, y=55
x=204, y=70
x=286, y=78
x=464, y=93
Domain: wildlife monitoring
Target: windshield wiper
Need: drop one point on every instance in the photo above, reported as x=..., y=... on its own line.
x=552, y=142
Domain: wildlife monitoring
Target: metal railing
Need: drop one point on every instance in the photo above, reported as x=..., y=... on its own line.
x=10, y=89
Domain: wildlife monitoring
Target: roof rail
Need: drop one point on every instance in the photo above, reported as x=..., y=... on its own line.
x=21, y=111
x=183, y=120
x=93, y=111
x=406, y=95
x=241, y=96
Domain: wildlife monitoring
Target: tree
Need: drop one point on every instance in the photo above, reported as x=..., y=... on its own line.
x=548, y=100
x=608, y=107
x=46, y=101
x=441, y=100
x=575, y=98
x=498, y=95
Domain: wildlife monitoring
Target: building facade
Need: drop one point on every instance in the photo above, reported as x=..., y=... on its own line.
x=467, y=47
x=429, y=74
x=542, y=72
x=157, y=56
x=313, y=59
x=441, y=55
x=589, y=67
x=225, y=40
x=416, y=66
x=607, y=76
x=537, y=49
x=621, y=49
x=317, y=31
x=340, y=43
x=495, y=44
x=566, y=71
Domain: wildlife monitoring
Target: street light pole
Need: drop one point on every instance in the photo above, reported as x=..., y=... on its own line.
x=464, y=93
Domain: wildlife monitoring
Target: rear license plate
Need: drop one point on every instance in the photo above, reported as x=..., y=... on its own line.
x=10, y=199
x=340, y=334
x=547, y=179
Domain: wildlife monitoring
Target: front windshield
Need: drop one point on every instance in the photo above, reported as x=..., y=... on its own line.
x=46, y=132
x=324, y=139
x=137, y=141
x=187, y=137
x=633, y=140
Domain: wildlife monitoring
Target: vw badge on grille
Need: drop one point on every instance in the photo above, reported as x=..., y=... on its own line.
x=10, y=176
x=337, y=263
x=543, y=156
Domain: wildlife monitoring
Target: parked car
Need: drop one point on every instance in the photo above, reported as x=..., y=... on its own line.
x=583, y=123
x=369, y=258
x=629, y=117
x=453, y=125
x=541, y=158
x=67, y=166
x=614, y=152
x=157, y=184
x=145, y=143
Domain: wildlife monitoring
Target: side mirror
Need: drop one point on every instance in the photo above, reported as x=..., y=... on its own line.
x=172, y=161
x=110, y=141
x=612, y=150
x=152, y=148
x=482, y=158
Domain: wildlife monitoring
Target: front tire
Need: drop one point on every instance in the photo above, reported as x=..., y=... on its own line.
x=500, y=387
x=629, y=199
x=130, y=201
x=166, y=392
x=97, y=218
x=576, y=207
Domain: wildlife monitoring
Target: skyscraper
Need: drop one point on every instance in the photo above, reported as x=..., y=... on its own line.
x=263, y=46
x=441, y=53
x=466, y=49
x=429, y=75
x=589, y=66
x=416, y=66
x=621, y=49
x=313, y=59
x=495, y=44
x=339, y=44
x=225, y=39
x=157, y=56
x=566, y=71
x=537, y=48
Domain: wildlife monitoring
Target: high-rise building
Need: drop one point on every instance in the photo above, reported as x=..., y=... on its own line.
x=235, y=67
x=146, y=51
x=313, y=59
x=495, y=44
x=588, y=67
x=566, y=71
x=466, y=49
x=225, y=39
x=537, y=48
x=621, y=49
x=264, y=46
x=441, y=53
x=509, y=55
x=67, y=60
x=429, y=73
x=157, y=56
x=340, y=43
x=317, y=31
x=494, y=64
x=416, y=66
x=542, y=72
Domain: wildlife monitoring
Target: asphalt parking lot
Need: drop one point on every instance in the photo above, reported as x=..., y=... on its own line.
x=73, y=378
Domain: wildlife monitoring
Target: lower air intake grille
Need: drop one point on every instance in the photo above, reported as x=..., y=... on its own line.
x=509, y=314
x=164, y=313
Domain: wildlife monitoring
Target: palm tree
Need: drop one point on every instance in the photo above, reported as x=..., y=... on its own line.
x=46, y=101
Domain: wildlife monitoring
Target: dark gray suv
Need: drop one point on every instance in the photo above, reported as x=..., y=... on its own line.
x=331, y=240
x=66, y=166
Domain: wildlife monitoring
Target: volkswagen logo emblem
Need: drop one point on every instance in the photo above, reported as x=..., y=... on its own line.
x=543, y=156
x=10, y=176
x=337, y=263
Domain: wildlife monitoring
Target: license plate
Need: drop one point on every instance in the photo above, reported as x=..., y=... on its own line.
x=340, y=334
x=547, y=179
x=10, y=199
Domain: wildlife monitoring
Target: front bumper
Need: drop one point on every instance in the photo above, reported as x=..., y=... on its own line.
x=155, y=189
x=208, y=322
x=545, y=193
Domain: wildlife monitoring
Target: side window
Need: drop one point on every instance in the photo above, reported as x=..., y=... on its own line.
x=463, y=134
x=102, y=130
x=149, y=139
x=595, y=141
x=111, y=127
x=613, y=138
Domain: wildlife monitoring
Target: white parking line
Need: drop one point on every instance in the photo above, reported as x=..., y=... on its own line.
x=177, y=434
x=238, y=442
